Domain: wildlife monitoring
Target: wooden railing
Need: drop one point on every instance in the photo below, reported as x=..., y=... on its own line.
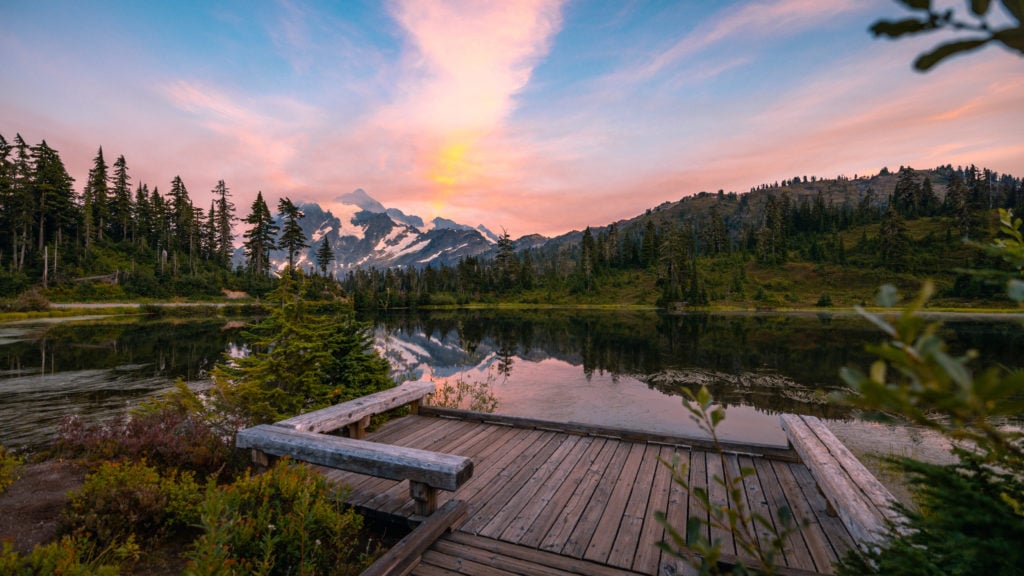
x=303, y=438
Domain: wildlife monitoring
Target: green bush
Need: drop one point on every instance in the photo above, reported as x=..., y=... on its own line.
x=124, y=500
x=67, y=557
x=289, y=520
x=9, y=464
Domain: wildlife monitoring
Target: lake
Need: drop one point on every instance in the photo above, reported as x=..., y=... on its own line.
x=613, y=368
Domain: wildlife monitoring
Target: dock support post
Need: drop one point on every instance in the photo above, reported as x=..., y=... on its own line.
x=425, y=497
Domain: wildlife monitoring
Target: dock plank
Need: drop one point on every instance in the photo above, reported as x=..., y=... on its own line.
x=719, y=497
x=579, y=480
x=612, y=515
x=543, y=497
x=579, y=539
x=590, y=500
x=529, y=487
x=795, y=550
x=638, y=512
x=556, y=538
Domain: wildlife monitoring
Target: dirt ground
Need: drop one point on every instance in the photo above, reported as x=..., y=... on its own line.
x=30, y=508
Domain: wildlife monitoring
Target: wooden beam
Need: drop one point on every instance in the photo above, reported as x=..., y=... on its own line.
x=444, y=471
x=782, y=453
x=859, y=499
x=405, y=555
x=347, y=413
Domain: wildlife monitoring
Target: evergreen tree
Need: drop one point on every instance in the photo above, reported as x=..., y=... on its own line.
x=293, y=239
x=180, y=217
x=96, y=198
x=225, y=218
x=324, y=256
x=894, y=242
x=121, y=200
x=260, y=239
x=52, y=188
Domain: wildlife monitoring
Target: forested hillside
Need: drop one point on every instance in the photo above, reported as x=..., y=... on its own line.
x=799, y=242
x=113, y=237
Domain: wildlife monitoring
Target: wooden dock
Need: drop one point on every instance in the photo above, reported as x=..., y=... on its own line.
x=548, y=499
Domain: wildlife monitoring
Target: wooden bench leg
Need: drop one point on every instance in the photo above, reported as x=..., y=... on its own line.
x=262, y=460
x=425, y=497
x=357, y=430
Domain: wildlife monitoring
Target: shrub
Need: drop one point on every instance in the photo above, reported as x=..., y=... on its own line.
x=67, y=557
x=289, y=520
x=169, y=435
x=9, y=464
x=31, y=301
x=123, y=500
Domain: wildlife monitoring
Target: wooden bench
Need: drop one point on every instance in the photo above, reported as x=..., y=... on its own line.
x=355, y=414
x=862, y=503
x=426, y=471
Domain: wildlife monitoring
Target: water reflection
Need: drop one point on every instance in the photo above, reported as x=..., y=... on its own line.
x=629, y=368
x=95, y=369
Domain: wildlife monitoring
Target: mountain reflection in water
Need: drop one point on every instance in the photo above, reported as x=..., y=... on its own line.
x=628, y=369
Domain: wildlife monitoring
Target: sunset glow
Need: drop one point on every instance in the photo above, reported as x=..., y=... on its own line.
x=529, y=115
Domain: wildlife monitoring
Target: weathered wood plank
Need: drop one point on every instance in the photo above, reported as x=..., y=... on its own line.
x=510, y=481
x=698, y=479
x=569, y=517
x=817, y=543
x=861, y=516
x=769, y=451
x=576, y=481
x=831, y=525
x=341, y=415
x=577, y=543
x=609, y=524
x=534, y=556
x=444, y=471
x=757, y=503
x=678, y=502
x=544, y=496
x=748, y=529
x=637, y=512
x=379, y=491
x=720, y=499
x=405, y=554
x=457, y=565
x=795, y=549
x=528, y=488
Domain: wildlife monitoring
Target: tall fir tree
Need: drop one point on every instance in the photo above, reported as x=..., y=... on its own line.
x=96, y=197
x=293, y=239
x=121, y=200
x=225, y=219
x=260, y=238
x=324, y=256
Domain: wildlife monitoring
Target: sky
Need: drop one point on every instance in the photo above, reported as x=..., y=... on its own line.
x=532, y=116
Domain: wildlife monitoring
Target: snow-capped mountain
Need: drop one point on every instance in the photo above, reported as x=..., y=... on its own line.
x=363, y=233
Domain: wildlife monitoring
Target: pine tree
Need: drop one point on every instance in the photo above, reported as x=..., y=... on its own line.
x=96, y=199
x=324, y=256
x=52, y=189
x=180, y=217
x=260, y=239
x=293, y=239
x=225, y=217
x=121, y=200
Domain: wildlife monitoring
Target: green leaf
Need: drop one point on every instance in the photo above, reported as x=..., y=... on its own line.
x=917, y=4
x=897, y=28
x=925, y=62
x=979, y=7
x=1015, y=7
x=1011, y=37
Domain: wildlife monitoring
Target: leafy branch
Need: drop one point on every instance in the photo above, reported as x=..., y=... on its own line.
x=978, y=26
x=732, y=516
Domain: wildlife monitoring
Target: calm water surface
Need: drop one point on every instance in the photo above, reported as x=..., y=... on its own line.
x=613, y=368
